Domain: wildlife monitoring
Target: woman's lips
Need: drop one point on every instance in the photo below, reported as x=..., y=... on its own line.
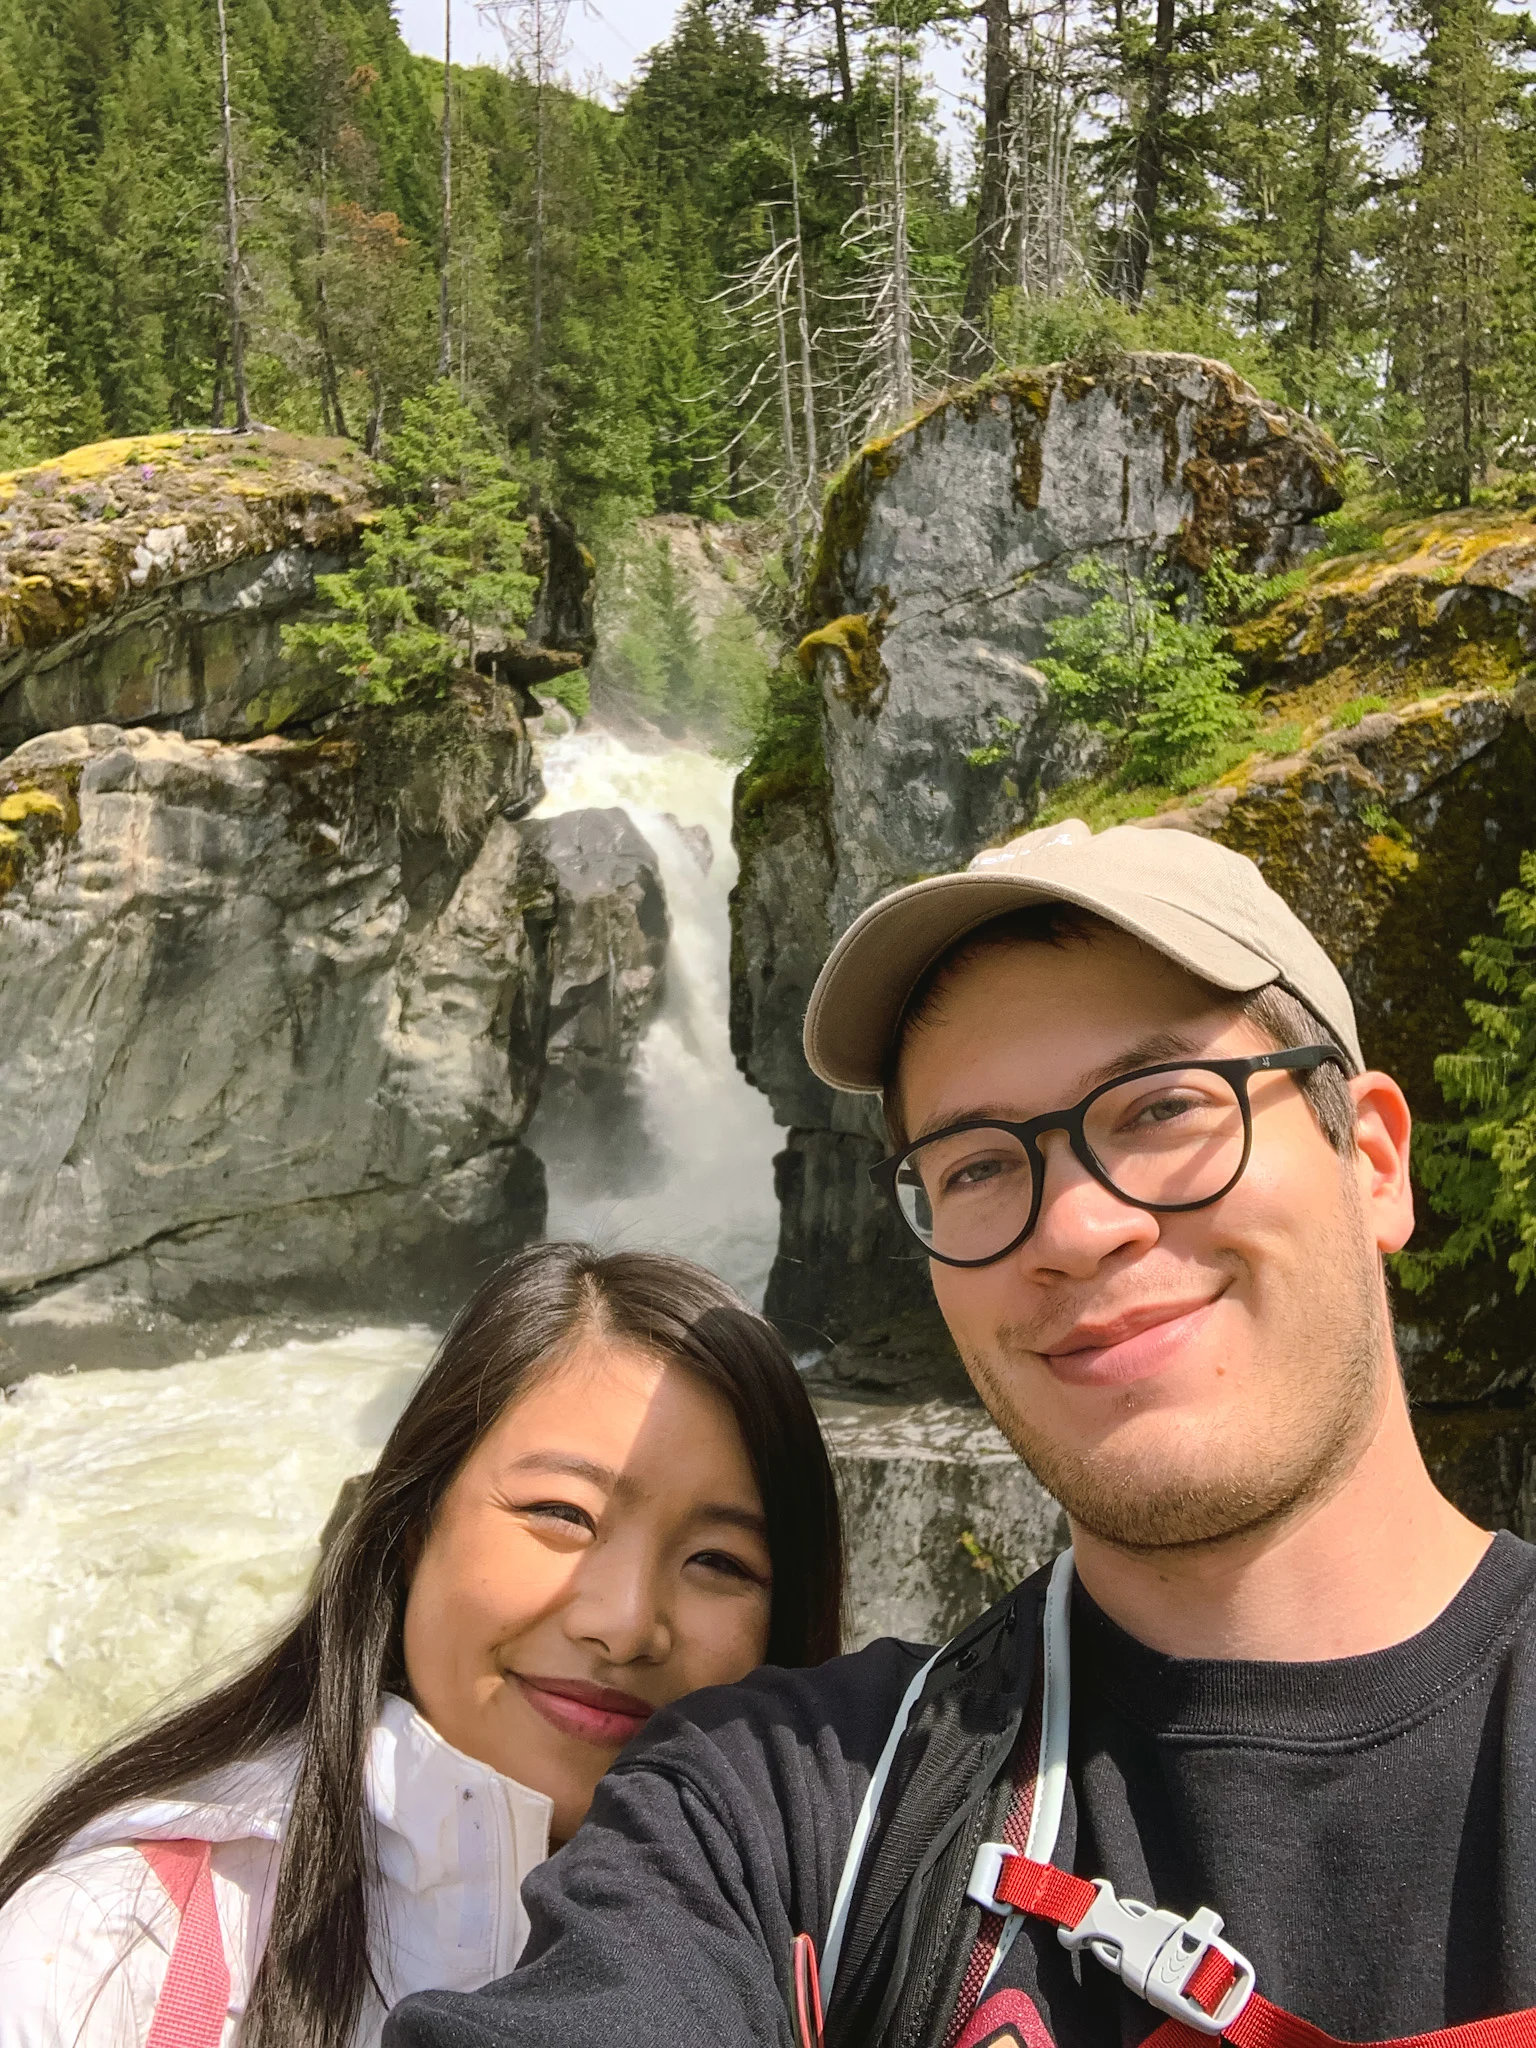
x=592, y=1713
x=1133, y=1347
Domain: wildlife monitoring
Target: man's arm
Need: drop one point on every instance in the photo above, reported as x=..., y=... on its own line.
x=668, y=1920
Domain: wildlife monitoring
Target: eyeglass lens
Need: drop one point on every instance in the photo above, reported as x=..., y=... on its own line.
x=1162, y=1140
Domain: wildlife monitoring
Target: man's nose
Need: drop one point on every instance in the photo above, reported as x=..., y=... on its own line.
x=620, y=1606
x=1081, y=1223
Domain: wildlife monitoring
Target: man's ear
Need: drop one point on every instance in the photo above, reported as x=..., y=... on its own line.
x=1383, y=1128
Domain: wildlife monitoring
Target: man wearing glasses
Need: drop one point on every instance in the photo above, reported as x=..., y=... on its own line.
x=1256, y=1759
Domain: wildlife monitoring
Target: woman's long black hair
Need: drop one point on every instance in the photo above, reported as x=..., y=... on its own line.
x=325, y=1677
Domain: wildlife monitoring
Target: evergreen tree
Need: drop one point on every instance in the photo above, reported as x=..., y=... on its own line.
x=1456, y=296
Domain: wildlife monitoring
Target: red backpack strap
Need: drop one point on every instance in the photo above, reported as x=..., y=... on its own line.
x=1183, y=1965
x=194, y=1999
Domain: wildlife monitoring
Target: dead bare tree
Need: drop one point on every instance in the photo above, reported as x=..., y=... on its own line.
x=232, y=273
x=534, y=32
x=444, y=326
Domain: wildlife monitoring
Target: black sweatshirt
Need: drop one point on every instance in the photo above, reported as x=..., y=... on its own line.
x=1367, y=1827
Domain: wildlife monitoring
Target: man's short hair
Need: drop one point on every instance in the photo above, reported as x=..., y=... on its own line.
x=1283, y=1018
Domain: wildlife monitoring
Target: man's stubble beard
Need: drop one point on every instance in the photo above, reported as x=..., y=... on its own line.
x=1318, y=1433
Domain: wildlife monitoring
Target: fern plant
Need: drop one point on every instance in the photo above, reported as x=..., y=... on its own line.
x=1480, y=1170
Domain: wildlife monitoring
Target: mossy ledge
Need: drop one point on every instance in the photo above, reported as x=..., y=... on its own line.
x=1442, y=602
x=114, y=520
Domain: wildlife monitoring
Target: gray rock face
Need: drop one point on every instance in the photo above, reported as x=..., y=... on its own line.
x=939, y=1516
x=924, y=732
x=254, y=1040
x=203, y=655
x=607, y=945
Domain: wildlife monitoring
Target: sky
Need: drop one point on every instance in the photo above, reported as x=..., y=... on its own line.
x=608, y=37
x=605, y=40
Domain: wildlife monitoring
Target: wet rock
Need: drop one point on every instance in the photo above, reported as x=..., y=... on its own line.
x=607, y=944
x=939, y=1515
x=697, y=840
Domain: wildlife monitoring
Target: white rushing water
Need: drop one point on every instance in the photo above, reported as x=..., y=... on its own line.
x=156, y=1525
x=700, y=1181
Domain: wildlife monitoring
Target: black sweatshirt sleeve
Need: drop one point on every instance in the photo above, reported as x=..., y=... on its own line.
x=718, y=1836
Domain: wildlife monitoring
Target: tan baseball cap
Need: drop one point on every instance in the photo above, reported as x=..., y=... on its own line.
x=1201, y=904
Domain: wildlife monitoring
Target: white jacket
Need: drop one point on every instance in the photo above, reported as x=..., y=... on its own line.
x=85, y=1944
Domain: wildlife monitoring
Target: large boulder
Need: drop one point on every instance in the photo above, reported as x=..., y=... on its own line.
x=607, y=945
x=263, y=1044
x=914, y=728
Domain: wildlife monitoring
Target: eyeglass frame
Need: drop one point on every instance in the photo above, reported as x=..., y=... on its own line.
x=1237, y=1073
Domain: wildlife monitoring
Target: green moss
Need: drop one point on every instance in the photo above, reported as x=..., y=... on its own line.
x=788, y=766
x=26, y=803
x=855, y=638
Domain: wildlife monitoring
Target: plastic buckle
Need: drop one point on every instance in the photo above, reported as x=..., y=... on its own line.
x=985, y=1872
x=1156, y=1953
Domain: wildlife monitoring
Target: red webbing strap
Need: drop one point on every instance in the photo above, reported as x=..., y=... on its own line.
x=1051, y=1894
x=1042, y=1889
x=1262, y=2025
x=194, y=1998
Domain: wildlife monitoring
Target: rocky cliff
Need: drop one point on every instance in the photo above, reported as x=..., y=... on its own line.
x=275, y=1003
x=1394, y=817
x=913, y=728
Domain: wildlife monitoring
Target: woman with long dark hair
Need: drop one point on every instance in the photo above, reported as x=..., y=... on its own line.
x=608, y=1490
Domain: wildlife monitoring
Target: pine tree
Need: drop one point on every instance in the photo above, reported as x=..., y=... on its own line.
x=1455, y=282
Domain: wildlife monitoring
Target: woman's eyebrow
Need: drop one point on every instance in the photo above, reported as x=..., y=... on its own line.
x=735, y=1517
x=571, y=1464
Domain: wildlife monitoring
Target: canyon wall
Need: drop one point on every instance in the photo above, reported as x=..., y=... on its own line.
x=279, y=974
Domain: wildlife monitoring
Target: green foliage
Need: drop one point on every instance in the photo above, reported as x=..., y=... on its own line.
x=443, y=560
x=29, y=402
x=1480, y=1170
x=573, y=692
x=1350, y=714
x=1147, y=666
x=997, y=750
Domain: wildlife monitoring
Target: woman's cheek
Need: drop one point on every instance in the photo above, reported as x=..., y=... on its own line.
x=726, y=1639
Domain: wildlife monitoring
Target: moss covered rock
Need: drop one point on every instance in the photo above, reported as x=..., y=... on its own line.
x=912, y=726
x=1394, y=840
x=1442, y=603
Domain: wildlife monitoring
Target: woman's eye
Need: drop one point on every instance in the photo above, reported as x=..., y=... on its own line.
x=560, y=1511
x=729, y=1567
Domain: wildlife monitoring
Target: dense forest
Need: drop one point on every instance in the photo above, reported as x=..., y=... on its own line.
x=700, y=300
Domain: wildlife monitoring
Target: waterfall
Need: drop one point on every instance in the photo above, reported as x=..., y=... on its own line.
x=688, y=1166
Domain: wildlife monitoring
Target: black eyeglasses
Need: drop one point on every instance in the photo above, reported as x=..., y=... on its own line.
x=1164, y=1138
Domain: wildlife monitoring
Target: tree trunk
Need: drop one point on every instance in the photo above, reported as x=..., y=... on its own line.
x=232, y=239
x=330, y=384
x=903, y=389
x=787, y=423
x=1151, y=150
x=989, y=267
x=444, y=332
x=845, y=90
x=536, y=310
x=807, y=381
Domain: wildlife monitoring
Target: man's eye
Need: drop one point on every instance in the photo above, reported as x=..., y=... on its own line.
x=976, y=1173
